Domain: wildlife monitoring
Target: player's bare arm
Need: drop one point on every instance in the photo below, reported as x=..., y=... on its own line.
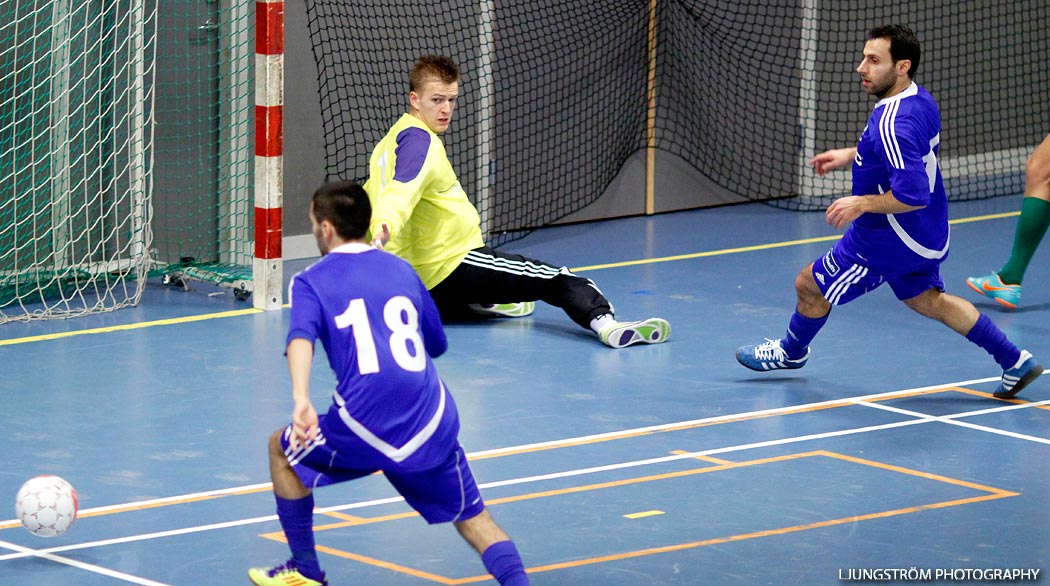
x=833, y=159
x=844, y=210
x=304, y=417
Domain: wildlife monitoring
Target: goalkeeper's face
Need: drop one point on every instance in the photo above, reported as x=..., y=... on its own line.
x=434, y=104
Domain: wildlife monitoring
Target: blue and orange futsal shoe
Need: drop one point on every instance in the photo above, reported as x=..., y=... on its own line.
x=994, y=287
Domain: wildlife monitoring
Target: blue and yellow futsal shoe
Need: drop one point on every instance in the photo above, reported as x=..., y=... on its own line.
x=620, y=334
x=520, y=309
x=994, y=287
x=1018, y=377
x=286, y=574
x=768, y=355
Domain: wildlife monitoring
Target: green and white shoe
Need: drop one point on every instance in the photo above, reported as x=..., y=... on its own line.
x=621, y=334
x=520, y=309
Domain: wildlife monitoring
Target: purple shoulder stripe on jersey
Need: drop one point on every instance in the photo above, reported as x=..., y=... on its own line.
x=411, y=152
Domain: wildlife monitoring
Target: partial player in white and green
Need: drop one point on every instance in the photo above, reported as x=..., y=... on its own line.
x=422, y=214
x=1004, y=286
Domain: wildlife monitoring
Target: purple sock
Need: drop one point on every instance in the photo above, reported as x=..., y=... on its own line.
x=297, y=520
x=987, y=335
x=801, y=331
x=503, y=562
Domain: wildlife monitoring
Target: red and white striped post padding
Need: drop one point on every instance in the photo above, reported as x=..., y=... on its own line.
x=269, y=153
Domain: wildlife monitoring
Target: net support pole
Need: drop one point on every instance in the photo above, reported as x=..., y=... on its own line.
x=807, y=93
x=236, y=150
x=137, y=129
x=59, y=147
x=267, y=278
x=650, y=133
x=486, y=165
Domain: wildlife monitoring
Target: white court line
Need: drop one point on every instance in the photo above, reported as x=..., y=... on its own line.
x=950, y=419
x=581, y=439
x=716, y=419
x=81, y=565
x=920, y=418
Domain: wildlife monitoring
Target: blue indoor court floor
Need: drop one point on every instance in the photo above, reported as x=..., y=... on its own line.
x=652, y=465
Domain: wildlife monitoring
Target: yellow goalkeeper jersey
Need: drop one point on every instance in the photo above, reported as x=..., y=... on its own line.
x=413, y=189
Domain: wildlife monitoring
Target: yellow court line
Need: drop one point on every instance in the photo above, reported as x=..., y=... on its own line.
x=134, y=326
x=993, y=493
x=644, y=514
x=769, y=246
x=219, y=315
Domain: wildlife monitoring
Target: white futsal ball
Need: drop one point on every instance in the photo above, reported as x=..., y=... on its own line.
x=46, y=505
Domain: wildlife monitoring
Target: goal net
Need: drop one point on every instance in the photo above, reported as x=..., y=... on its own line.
x=76, y=94
x=557, y=96
x=203, y=198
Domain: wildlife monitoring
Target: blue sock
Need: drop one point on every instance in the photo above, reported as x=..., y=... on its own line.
x=297, y=520
x=503, y=562
x=801, y=331
x=987, y=335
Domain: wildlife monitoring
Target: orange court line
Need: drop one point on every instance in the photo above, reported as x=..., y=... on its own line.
x=993, y=493
x=154, y=505
x=181, y=501
x=806, y=409
x=389, y=566
x=711, y=459
x=753, y=535
x=625, y=435
x=129, y=508
x=628, y=435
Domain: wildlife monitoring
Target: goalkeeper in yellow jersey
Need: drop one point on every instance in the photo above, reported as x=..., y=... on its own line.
x=421, y=213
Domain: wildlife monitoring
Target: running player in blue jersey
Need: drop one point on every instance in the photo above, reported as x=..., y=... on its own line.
x=390, y=410
x=1005, y=286
x=897, y=222
x=422, y=214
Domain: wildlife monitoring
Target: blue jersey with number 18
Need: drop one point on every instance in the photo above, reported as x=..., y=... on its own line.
x=379, y=328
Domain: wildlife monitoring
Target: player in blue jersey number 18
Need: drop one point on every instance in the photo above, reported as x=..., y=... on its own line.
x=390, y=411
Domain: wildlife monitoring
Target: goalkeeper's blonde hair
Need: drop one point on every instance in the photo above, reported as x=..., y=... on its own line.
x=432, y=67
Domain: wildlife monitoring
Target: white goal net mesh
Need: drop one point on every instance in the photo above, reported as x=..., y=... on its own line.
x=76, y=117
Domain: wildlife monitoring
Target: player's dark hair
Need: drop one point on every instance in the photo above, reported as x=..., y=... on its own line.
x=431, y=67
x=345, y=205
x=903, y=44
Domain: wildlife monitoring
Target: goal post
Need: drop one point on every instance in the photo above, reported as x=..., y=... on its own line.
x=218, y=219
x=104, y=186
x=269, y=153
x=76, y=113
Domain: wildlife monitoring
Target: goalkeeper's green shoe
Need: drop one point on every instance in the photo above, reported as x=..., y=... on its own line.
x=286, y=574
x=620, y=334
x=994, y=287
x=520, y=309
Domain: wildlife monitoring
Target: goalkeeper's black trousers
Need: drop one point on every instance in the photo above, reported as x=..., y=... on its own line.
x=488, y=276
